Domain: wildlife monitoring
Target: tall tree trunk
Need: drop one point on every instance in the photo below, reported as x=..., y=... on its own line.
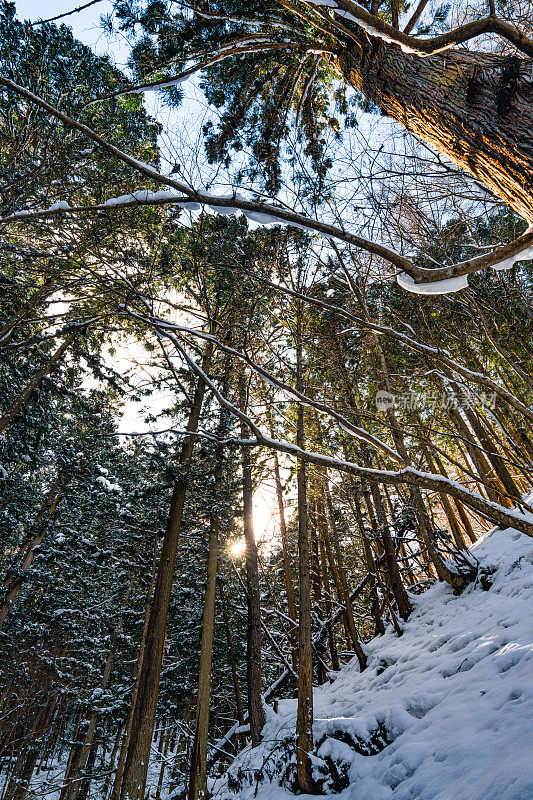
x=14, y=579
x=22, y=774
x=304, y=723
x=163, y=761
x=461, y=103
x=256, y=714
x=447, y=508
x=111, y=765
x=119, y=772
x=344, y=599
x=140, y=740
x=85, y=784
x=287, y=571
x=82, y=760
x=198, y=768
x=332, y=644
x=375, y=610
x=393, y=569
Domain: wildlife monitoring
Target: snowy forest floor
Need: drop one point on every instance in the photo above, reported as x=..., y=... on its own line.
x=442, y=712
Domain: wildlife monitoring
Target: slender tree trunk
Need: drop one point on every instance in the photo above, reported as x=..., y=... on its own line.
x=83, y=757
x=128, y=726
x=111, y=765
x=344, y=600
x=13, y=580
x=492, y=485
x=256, y=714
x=445, y=572
x=371, y=565
x=9, y=327
x=287, y=571
x=22, y=774
x=140, y=740
x=198, y=768
x=316, y=575
x=231, y=657
x=85, y=784
x=304, y=724
x=497, y=462
x=393, y=570
x=163, y=762
x=327, y=592
x=450, y=516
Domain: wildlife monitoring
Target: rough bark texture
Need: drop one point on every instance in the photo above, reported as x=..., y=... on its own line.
x=198, y=768
x=475, y=108
x=304, y=727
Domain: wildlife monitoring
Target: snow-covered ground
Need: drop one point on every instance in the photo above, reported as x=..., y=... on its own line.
x=444, y=711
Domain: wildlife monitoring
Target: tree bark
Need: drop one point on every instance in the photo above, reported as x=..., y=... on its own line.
x=375, y=611
x=475, y=108
x=344, y=599
x=287, y=571
x=198, y=768
x=304, y=723
x=231, y=657
x=256, y=712
x=14, y=579
x=138, y=755
x=393, y=570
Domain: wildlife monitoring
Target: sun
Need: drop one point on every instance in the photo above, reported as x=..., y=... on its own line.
x=237, y=547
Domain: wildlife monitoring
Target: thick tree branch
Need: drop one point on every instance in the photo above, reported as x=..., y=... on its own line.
x=426, y=47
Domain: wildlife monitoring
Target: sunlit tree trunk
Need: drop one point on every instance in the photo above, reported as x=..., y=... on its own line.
x=475, y=108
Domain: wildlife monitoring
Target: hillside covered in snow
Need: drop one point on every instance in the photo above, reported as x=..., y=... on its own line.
x=441, y=713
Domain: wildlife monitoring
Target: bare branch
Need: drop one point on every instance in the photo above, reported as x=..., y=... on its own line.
x=66, y=13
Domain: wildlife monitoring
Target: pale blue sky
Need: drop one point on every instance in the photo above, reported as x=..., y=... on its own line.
x=85, y=24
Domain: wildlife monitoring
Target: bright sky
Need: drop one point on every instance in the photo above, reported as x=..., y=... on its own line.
x=85, y=24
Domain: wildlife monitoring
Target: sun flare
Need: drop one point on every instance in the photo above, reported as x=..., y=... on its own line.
x=237, y=547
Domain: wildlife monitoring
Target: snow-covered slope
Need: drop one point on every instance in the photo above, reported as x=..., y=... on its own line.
x=442, y=713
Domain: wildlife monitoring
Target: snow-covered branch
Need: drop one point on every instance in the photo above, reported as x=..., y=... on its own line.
x=166, y=328
x=413, y=278
x=377, y=27
x=407, y=476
